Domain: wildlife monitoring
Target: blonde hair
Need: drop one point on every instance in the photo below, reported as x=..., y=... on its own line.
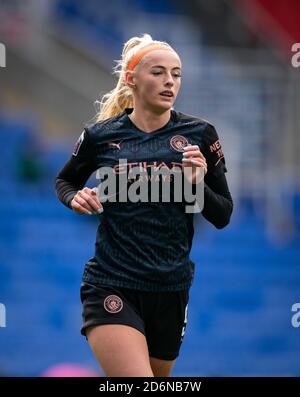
x=121, y=97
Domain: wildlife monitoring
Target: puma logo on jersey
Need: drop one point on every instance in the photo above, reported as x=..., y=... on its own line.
x=114, y=144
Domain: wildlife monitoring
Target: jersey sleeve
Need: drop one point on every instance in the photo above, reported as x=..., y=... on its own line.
x=83, y=147
x=73, y=176
x=213, y=152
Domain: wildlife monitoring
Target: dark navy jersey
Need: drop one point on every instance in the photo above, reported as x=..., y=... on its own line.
x=146, y=245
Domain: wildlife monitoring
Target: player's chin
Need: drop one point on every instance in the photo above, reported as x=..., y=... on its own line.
x=166, y=105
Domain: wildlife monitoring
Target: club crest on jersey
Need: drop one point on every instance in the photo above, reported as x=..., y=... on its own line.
x=78, y=144
x=113, y=304
x=178, y=142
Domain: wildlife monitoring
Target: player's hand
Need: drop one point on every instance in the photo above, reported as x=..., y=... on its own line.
x=192, y=157
x=86, y=201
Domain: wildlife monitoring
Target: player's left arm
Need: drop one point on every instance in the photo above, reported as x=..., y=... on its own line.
x=218, y=203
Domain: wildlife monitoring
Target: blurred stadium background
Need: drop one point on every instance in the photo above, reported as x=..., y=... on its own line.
x=237, y=73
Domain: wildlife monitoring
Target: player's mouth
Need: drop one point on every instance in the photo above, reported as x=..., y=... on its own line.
x=167, y=94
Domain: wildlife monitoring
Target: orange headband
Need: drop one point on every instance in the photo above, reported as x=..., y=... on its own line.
x=142, y=52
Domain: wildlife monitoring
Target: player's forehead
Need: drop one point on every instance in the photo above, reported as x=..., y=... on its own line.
x=165, y=58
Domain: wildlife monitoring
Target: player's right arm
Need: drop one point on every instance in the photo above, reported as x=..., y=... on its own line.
x=70, y=181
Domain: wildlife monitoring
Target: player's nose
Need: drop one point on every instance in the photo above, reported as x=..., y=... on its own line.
x=169, y=80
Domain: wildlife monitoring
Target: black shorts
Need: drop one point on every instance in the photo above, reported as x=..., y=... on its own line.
x=160, y=316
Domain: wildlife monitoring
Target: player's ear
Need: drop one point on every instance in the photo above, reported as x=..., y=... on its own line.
x=129, y=78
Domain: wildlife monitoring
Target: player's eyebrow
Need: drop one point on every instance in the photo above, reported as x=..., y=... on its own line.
x=162, y=67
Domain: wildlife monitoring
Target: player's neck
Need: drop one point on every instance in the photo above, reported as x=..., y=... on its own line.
x=149, y=121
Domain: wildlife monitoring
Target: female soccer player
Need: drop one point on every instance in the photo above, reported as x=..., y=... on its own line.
x=135, y=288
